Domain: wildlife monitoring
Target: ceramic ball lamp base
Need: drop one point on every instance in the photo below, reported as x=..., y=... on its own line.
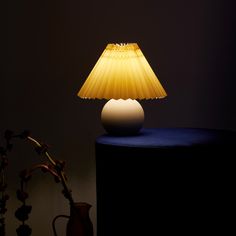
x=122, y=117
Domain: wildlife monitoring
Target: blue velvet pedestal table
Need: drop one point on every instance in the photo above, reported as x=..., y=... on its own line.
x=166, y=182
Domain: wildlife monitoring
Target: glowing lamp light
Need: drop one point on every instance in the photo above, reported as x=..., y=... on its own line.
x=122, y=75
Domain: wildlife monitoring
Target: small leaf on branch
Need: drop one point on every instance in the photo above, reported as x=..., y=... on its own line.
x=9, y=146
x=24, y=230
x=2, y=151
x=8, y=134
x=42, y=149
x=25, y=134
x=25, y=175
x=4, y=162
x=21, y=195
x=22, y=213
x=66, y=194
x=60, y=165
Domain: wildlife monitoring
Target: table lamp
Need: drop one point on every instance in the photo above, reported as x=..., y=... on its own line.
x=122, y=75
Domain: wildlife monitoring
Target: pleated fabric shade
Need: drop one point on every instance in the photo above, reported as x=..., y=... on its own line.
x=122, y=72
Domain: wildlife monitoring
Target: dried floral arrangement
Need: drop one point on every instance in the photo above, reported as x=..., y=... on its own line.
x=49, y=165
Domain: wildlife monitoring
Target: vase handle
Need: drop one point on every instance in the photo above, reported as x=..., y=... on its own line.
x=54, y=221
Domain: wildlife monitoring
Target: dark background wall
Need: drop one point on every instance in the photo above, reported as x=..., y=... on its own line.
x=49, y=47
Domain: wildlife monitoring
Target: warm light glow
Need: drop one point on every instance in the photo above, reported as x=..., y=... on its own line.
x=123, y=72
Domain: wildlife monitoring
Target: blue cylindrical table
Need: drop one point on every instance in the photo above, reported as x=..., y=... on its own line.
x=165, y=181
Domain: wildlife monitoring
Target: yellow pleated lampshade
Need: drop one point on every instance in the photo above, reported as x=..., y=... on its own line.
x=123, y=72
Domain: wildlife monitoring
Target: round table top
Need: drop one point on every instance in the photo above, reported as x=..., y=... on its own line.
x=171, y=137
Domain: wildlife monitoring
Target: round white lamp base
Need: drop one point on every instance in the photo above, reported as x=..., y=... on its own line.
x=122, y=117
